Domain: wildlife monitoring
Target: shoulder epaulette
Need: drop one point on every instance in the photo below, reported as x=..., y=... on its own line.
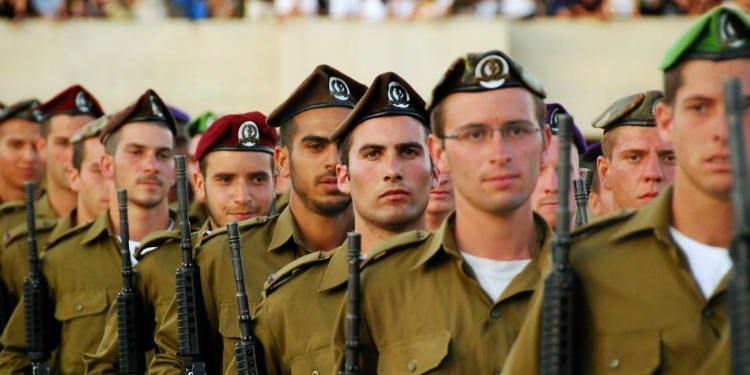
x=21, y=230
x=286, y=273
x=396, y=243
x=70, y=233
x=243, y=225
x=601, y=223
x=156, y=239
x=12, y=206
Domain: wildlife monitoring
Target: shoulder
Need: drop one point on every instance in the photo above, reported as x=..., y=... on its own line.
x=12, y=206
x=155, y=240
x=399, y=243
x=217, y=237
x=71, y=236
x=602, y=226
x=296, y=267
x=21, y=231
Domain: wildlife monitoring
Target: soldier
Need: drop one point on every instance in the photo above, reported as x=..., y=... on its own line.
x=454, y=301
x=235, y=179
x=317, y=218
x=195, y=129
x=83, y=267
x=636, y=164
x=653, y=281
x=600, y=198
x=385, y=166
x=20, y=160
x=544, y=197
x=84, y=174
x=442, y=201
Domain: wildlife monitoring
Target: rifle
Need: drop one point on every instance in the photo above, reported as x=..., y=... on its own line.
x=588, y=178
x=41, y=329
x=558, y=356
x=738, y=289
x=129, y=307
x=582, y=202
x=351, y=360
x=191, y=319
x=247, y=353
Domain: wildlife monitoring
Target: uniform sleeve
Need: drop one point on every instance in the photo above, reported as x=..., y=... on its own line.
x=13, y=358
x=7, y=273
x=524, y=355
x=105, y=360
x=264, y=333
x=368, y=352
x=167, y=359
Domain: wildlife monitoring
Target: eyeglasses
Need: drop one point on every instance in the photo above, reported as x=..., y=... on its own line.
x=478, y=134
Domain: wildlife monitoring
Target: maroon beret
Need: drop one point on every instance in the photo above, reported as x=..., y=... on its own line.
x=324, y=87
x=75, y=100
x=240, y=132
x=148, y=108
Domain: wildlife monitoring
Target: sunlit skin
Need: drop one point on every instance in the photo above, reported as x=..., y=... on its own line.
x=90, y=180
x=544, y=198
x=442, y=202
x=192, y=165
x=493, y=182
x=142, y=164
x=315, y=200
x=20, y=159
x=696, y=123
x=641, y=166
x=58, y=151
x=600, y=201
x=389, y=177
x=238, y=185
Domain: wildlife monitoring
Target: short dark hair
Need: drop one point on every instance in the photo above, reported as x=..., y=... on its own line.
x=608, y=143
x=287, y=132
x=672, y=82
x=113, y=139
x=79, y=153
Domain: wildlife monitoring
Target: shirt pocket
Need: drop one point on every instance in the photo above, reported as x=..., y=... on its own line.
x=629, y=353
x=419, y=355
x=318, y=362
x=78, y=304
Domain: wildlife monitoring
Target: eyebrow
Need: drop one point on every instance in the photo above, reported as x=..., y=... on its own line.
x=315, y=138
x=407, y=145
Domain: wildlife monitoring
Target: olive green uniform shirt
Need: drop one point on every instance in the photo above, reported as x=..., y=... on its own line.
x=13, y=214
x=719, y=362
x=423, y=310
x=268, y=243
x=159, y=254
x=642, y=311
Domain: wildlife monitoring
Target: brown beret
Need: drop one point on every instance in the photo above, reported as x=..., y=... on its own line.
x=241, y=132
x=388, y=95
x=148, y=108
x=324, y=87
x=74, y=100
x=477, y=72
x=23, y=110
x=632, y=110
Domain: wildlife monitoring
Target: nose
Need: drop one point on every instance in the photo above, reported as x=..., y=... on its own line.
x=654, y=172
x=243, y=194
x=499, y=149
x=721, y=133
x=392, y=168
x=548, y=179
x=332, y=157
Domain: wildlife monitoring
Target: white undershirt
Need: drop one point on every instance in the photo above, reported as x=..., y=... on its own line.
x=495, y=275
x=133, y=245
x=709, y=264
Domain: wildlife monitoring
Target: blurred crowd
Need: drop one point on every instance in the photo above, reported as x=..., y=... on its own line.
x=372, y=10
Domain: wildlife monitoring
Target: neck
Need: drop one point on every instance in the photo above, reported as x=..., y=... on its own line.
x=83, y=215
x=9, y=193
x=434, y=220
x=373, y=234
x=691, y=208
x=511, y=236
x=320, y=232
x=141, y=221
x=61, y=199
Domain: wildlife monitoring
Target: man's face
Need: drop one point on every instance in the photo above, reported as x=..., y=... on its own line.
x=389, y=175
x=192, y=165
x=441, y=198
x=544, y=198
x=498, y=175
x=90, y=179
x=20, y=160
x=57, y=148
x=238, y=185
x=641, y=166
x=697, y=125
x=312, y=161
x=143, y=163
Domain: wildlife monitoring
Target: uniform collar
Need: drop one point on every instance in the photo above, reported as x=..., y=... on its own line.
x=286, y=229
x=64, y=224
x=44, y=208
x=654, y=217
x=101, y=225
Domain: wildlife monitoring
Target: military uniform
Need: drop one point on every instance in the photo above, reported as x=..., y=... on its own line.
x=641, y=310
x=158, y=254
x=13, y=214
x=268, y=243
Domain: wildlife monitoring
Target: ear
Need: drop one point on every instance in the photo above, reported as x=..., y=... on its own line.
x=281, y=156
x=436, y=176
x=200, y=187
x=663, y=114
x=73, y=178
x=437, y=152
x=106, y=163
x=602, y=167
x=342, y=178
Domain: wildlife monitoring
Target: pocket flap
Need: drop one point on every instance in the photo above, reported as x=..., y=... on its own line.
x=72, y=305
x=414, y=356
x=632, y=352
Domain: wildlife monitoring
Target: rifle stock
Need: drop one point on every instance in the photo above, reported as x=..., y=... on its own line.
x=558, y=356
x=248, y=353
x=351, y=359
x=192, y=322
x=132, y=359
x=738, y=289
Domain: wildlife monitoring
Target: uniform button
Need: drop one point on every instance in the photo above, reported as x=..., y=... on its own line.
x=495, y=313
x=316, y=372
x=708, y=312
x=412, y=366
x=613, y=363
x=78, y=308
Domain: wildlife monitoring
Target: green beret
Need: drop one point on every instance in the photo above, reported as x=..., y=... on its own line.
x=477, y=72
x=723, y=33
x=633, y=110
x=199, y=124
x=91, y=129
